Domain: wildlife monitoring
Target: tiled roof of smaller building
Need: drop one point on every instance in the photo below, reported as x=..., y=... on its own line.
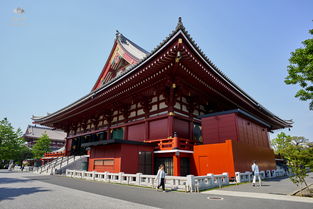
x=38, y=131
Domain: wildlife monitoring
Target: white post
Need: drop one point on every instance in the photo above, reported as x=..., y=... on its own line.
x=226, y=178
x=249, y=176
x=106, y=176
x=273, y=173
x=120, y=177
x=190, y=182
x=93, y=175
x=211, y=175
x=138, y=178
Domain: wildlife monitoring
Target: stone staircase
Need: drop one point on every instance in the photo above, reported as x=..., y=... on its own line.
x=58, y=165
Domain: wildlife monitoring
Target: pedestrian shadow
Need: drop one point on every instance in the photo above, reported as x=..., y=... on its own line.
x=12, y=180
x=277, y=178
x=37, y=178
x=10, y=193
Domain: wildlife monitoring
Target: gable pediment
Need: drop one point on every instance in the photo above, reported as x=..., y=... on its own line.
x=124, y=54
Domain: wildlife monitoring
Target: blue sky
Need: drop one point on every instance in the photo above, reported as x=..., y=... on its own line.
x=51, y=55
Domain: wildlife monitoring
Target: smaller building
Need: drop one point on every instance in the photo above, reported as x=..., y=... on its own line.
x=57, y=137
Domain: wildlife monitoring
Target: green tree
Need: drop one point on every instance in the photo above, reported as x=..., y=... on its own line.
x=11, y=142
x=24, y=153
x=300, y=71
x=42, y=146
x=298, y=152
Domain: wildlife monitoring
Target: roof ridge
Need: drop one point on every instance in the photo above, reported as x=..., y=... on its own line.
x=121, y=37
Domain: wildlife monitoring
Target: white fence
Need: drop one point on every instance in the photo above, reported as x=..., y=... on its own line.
x=197, y=183
x=19, y=168
x=247, y=176
x=189, y=183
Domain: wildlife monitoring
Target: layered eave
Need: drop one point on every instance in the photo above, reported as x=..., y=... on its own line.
x=189, y=46
x=124, y=47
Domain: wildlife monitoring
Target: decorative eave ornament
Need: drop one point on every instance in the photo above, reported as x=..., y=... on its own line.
x=117, y=34
x=180, y=24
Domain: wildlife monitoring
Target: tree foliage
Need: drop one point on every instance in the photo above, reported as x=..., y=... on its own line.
x=298, y=152
x=11, y=142
x=300, y=71
x=41, y=146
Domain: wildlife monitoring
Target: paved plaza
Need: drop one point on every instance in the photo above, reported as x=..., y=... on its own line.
x=26, y=190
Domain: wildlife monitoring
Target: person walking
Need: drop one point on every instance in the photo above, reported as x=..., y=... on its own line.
x=160, y=177
x=255, y=173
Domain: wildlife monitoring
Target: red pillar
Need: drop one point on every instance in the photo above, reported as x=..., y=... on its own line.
x=146, y=129
x=109, y=132
x=126, y=133
x=176, y=164
x=66, y=147
x=170, y=129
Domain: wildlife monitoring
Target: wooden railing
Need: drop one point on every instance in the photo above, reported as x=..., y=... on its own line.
x=172, y=143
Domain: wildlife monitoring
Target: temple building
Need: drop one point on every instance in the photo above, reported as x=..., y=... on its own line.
x=33, y=133
x=171, y=106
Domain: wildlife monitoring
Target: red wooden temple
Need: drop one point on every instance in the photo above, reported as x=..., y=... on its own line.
x=171, y=106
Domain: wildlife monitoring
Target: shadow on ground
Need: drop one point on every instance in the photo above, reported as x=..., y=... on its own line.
x=9, y=193
x=276, y=179
x=13, y=180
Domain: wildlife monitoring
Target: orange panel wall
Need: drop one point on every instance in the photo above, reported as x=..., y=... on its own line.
x=231, y=157
x=214, y=158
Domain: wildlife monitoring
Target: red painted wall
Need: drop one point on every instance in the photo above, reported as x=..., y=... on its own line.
x=217, y=129
x=129, y=154
x=181, y=127
x=112, y=151
x=248, y=141
x=252, y=133
x=245, y=154
x=125, y=157
x=136, y=132
x=158, y=129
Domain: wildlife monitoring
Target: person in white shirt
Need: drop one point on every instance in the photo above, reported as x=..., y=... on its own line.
x=256, y=173
x=160, y=177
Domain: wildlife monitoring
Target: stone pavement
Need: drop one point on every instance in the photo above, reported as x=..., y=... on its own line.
x=26, y=190
x=276, y=189
x=18, y=193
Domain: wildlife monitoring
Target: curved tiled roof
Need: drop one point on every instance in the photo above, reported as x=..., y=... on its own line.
x=132, y=48
x=36, y=132
x=145, y=56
